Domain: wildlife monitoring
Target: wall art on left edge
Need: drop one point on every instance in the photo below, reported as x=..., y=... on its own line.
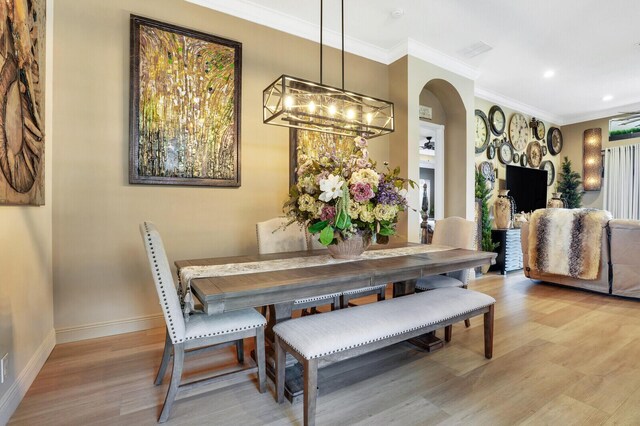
x=22, y=71
x=184, y=106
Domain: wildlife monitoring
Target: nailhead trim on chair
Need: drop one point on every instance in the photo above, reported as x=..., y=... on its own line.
x=249, y=327
x=313, y=299
x=383, y=337
x=164, y=304
x=364, y=289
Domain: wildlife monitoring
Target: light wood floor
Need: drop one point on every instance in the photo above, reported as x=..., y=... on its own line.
x=561, y=356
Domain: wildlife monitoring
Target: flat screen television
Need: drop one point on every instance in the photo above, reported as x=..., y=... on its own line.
x=528, y=187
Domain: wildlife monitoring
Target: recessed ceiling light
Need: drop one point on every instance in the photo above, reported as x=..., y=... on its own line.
x=607, y=98
x=549, y=73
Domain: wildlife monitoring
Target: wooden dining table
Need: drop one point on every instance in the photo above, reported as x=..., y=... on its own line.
x=277, y=289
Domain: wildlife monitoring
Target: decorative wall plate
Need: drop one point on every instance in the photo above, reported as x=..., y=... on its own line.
x=491, y=149
x=486, y=168
x=554, y=140
x=540, y=130
x=551, y=171
x=482, y=131
x=534, y=154
x=505, y=153
x=516, y=158
x=497, y=120
x=518, y=131
x=524, y=161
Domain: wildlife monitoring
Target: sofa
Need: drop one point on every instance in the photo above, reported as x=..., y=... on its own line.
x=619, y=271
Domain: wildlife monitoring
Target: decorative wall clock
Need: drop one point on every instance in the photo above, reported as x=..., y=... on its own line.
x=518, y=131
x=540, y=130
x=497, y=120
x=491, y=149
x=524, y=161
x=551, y=171
x=544, y=150
x=516, y=158
x=505, y=153
x=482, y=131
x=554, y=140
x=534, y=154
x=486, y=169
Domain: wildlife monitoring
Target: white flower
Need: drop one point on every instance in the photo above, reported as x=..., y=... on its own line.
x=331, y=188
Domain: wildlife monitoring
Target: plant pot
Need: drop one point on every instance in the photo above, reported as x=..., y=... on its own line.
x=351, y=248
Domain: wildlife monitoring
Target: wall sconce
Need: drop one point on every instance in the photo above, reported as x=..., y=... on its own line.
x=592, y=159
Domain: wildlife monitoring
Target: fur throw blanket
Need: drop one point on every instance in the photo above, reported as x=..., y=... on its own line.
x=567, y=241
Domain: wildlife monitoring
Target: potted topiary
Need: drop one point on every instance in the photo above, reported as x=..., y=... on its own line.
x=483, y=193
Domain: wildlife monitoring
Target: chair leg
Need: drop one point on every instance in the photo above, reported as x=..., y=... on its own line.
x=335, y=305
x=176, y=376
x=344, y=301
x=447, y=333
x=240, y=351
x=382, y=295
x=310, y=391
x=262, y=371
x=488, y=333
x=166, y=354
x=467, y=323
x=281, y=358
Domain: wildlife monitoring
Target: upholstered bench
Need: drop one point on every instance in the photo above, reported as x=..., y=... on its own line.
x=319, y=340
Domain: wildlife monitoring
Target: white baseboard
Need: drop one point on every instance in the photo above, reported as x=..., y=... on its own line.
x=10, y=401
x=108, y=328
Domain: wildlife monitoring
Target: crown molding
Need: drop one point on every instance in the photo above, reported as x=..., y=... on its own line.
x=605, y=113
x=518, y=106
x=261, y=15
x=428, y=54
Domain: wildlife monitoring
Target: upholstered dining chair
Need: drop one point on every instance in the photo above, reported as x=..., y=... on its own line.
x=458, y=233
x=200, y=331
x=345, y=299
x=272, y=238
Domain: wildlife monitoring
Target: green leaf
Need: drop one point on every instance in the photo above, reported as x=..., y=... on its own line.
x=326, y=236
x=318, y=226
x=386, y=231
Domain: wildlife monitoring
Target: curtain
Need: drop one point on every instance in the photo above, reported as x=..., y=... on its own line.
x=622, y=181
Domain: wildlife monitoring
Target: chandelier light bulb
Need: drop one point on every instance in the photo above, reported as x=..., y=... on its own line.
x=332, y=110
x=288, y=102
x=311, y=107
x=351, y=114
x=369, y=118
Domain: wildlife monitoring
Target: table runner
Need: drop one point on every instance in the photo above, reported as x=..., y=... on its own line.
x=188, y=273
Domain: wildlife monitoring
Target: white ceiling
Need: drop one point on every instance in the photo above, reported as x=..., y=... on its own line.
x=592, y=45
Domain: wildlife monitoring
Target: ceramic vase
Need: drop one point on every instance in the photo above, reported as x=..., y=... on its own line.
x=556, y=201
x=351, y=248
x=503, y=210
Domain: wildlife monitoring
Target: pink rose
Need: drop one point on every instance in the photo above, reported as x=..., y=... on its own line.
x=328, y=212
x=361, y=192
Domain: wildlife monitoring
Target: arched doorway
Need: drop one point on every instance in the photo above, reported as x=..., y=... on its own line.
x=449, y=112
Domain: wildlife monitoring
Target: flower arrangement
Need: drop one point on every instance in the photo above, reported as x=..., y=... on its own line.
x=339, y=197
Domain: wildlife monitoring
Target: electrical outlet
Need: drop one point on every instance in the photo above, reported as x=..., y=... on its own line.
x=4, y=368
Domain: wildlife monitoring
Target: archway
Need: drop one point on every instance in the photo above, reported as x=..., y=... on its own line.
x=450, y=112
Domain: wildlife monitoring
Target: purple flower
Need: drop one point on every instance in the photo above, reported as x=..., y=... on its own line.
x=361, y=192
x=328, y=212
x=387, y=194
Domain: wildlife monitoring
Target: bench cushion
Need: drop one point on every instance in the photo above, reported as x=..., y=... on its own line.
x=319, y=335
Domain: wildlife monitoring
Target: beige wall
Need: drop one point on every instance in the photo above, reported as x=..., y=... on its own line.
x=485, y=106
x=573, y=136
x=100, y=271
x=26, y=289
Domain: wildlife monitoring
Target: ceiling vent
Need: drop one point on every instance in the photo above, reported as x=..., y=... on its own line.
x=475, y=49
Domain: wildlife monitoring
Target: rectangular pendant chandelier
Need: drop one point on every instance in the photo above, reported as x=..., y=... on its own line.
x=302, y=104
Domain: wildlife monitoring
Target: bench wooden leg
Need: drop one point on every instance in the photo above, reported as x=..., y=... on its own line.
x=467, y=323
x=447, y=333
x=262, y=365
x=281, y=358
x=310, y=391
x=488, y=333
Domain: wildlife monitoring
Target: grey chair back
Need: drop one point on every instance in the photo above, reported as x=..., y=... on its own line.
x=165, y=286
x=273, y=239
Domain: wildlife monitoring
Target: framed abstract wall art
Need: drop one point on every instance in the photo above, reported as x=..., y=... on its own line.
x=184, y=106
x=22, y=88
x=626, y=126
x=305, y=143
